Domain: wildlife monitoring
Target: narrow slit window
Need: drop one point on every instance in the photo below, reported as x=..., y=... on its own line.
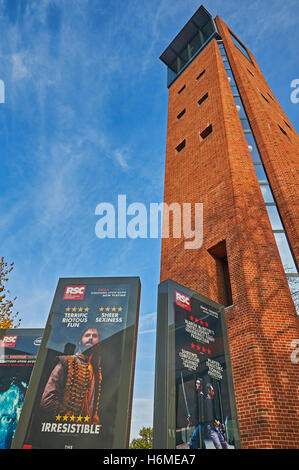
x=180, y=91
x=182, y=145
x=287, y=124
x=226, y=281
x=181, y=114
x=222, y=275
x=200, y=75
x=264, y=98
x=251, y=73
x=202, y=99
x=282, y=130
x=208, y=130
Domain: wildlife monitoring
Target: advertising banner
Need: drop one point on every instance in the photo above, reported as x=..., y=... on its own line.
x=81, y=390
x=18, y=351
x=200, y=403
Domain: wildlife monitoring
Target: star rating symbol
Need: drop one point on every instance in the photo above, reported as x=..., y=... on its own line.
x=120, y=309
x=58, y=417
x=80, y=309
x=107, y=309
x=79, y=418
x=192, y=318
x=72, y=418
x=113, y=309
x=74, y=309
x=101, y=309
x=68, y=309
x=86, y=309
x=65, y=417
x=86, y=419
x=201, y=348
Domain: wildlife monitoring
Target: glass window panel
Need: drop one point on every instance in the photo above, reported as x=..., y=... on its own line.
x=255, y=156
x=170, y=76
x=208, y=29
x=274, y=218
x=294, y=288
x=260, y=173
x=180, y=63
x=245, y=125
x=195, y=44
x=230, y=77
x=235, y=90
x=240, y=107
x=285, y=253
x=185, y=54
x=267, y=193
x=174, y=66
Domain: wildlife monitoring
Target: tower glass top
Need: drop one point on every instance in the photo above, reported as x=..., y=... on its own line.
x=194, y=36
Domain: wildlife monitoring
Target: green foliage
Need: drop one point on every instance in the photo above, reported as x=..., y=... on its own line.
x=145, y=441
x=7, y=317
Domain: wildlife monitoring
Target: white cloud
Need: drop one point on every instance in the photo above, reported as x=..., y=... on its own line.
x=19, y=70
x=147, y=323
x=121, y=159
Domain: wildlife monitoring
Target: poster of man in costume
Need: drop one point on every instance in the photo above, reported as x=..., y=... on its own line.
x=81, y=385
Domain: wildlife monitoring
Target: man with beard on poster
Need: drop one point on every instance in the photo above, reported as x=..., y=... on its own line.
x=74, y=386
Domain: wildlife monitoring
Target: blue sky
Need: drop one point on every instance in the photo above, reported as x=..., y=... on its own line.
x=84, y=120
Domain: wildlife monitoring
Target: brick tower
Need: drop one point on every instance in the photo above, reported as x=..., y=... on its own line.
x=231, y=147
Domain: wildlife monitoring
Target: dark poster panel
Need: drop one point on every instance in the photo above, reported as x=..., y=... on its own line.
x=18, y=351
x=83, y=386
x=203, y=411
x=194, y=398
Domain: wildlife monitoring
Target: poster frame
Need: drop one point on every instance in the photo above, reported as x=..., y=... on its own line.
x=164, y=435
x=124, y=405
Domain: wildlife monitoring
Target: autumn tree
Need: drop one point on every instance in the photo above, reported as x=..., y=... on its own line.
x=8, y=319
x=145, y=441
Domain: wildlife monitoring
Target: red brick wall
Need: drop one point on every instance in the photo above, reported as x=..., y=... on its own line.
x=219, y=173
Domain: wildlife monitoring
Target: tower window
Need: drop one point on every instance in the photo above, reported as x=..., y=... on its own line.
x=200, y=75
x=203, y=99
x=282, y=130
x=264, y=98
x=182, y=145
x=218, y=252
x=181, y=114
x=208, y=130
x=180, y=91
x=251, y=73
